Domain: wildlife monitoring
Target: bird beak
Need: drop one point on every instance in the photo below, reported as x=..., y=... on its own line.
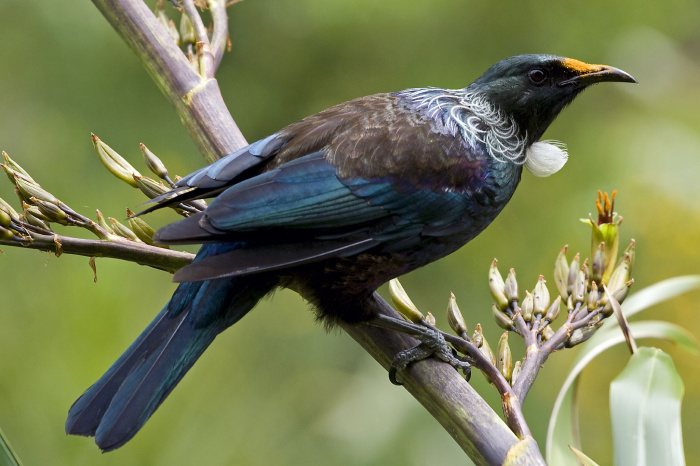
x=590, y=74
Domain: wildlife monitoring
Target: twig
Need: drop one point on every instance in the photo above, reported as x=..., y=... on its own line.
x=220, y=34
x=207, y=66
x=164, y=259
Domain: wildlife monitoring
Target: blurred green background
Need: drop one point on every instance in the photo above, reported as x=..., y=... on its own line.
x=277, y=389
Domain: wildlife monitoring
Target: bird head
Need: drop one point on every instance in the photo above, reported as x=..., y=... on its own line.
x=533, y=89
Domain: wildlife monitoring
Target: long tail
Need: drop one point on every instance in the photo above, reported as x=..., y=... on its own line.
x=124, y=398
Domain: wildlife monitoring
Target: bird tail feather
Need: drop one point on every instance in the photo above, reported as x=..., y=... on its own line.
x=124, y=398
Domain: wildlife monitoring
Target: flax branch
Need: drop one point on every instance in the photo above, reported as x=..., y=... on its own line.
x=164, y=259
x=197, y=99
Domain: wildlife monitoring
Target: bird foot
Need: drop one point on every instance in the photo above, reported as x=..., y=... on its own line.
x=432, y=343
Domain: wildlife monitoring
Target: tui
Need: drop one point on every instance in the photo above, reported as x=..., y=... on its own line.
x=332, y=207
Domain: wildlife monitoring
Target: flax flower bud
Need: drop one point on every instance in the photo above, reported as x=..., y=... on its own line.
x=516, y=372
x=573, y=272
x=455, y=317
x=139, y=226
x=497, y=286
x=150, y=187
x=6, y=234
x=540, y=297
x=501, y=318
x=547, y=332
x=478, y=336
x=403, y=303
x=593, y=297
x=123, y=230
x=527, y=306
x=114, y=162
x=599, y=263
x=561, y=273
x=579, y=290
x=553, y=311
x=153, y=163
x=621, y=274
x=504, y=362
x=511, y=287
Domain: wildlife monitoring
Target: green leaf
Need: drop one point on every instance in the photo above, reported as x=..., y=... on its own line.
x=659, y=292
x=645, y=407
x=582, y=457
x=8, y=457
x=562, y=430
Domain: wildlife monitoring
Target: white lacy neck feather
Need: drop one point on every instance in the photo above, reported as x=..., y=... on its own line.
x=469, y=115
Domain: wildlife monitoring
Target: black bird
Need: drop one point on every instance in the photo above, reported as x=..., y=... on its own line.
x=332, y=207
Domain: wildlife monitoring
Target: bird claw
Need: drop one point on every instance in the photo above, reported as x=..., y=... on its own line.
x=432, y=343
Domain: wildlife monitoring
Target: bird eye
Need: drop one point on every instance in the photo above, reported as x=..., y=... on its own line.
x=537, y=76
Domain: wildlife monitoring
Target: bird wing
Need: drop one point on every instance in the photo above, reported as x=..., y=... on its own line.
x=302, y=212
x=333, y=185
x=214, y=178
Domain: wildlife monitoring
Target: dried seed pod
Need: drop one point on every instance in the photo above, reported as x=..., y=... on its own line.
x=430, y=319
x=497, y=286
x=561, y=273
x=403, y=303
x=455, y=317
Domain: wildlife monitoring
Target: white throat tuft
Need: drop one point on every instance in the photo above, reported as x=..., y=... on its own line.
x=545, y=158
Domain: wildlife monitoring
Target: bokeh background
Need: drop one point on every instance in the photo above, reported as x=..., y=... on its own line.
x=277, y=389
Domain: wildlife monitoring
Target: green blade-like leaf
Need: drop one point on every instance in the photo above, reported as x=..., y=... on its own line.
x=645, y=406
x=561, y=432
x=659, y=292
x=582, y=457
x=8, y=457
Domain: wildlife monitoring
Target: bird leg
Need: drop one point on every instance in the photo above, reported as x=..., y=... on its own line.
x=432, y=343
